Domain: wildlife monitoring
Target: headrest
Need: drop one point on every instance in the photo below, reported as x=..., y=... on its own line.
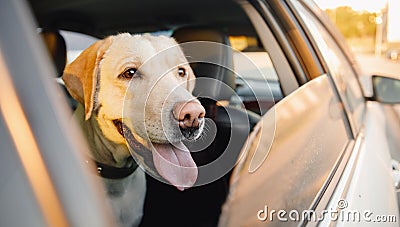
x=209, y=51
x=56, y=47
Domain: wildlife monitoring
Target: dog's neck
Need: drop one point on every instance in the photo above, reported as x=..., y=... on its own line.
x=102, y=150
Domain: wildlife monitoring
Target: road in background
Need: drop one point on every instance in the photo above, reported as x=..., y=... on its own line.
x=372, y=65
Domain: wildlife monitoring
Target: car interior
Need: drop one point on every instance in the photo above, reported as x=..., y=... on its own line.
x=287, y=126
x=234, y=106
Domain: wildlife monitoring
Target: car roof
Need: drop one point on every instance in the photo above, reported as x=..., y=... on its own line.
x=103, y=17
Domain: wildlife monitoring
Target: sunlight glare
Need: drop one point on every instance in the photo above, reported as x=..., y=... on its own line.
x=357, y=5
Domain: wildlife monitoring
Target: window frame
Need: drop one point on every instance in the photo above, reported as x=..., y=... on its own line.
x=285, y=67
x=340, y=44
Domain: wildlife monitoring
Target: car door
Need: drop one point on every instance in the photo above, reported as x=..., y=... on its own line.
x=294, y=165
x=291, y=157
x=368, y=190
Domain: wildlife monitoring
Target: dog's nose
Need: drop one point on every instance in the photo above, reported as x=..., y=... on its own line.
x=188, y=114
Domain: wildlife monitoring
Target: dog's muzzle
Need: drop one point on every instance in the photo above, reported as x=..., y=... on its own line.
x=192, y=133
x=190, y=116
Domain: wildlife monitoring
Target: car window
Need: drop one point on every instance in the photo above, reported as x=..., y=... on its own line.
x=250, y=47
x=251, y=78
x=339, y=67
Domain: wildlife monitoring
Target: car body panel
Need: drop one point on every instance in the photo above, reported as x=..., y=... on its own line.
x=366, y=187
x=299, y=162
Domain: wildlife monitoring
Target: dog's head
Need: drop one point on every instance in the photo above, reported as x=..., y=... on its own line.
x=142, y=85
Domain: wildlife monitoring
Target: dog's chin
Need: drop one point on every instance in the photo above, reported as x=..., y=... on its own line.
x=173, y=138
x=171, y=159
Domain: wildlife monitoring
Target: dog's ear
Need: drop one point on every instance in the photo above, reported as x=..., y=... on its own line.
x=81, y=76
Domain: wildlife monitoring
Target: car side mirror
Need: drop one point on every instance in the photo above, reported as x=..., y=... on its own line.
x=386, y=89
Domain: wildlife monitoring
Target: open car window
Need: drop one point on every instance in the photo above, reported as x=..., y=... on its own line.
x=251, y=78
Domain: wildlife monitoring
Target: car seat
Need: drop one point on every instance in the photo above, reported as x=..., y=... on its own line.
x=57, y=50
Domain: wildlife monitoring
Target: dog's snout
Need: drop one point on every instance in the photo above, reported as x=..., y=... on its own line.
x=188, y=114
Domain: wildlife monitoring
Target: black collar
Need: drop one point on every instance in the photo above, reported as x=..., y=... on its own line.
x=112, y=172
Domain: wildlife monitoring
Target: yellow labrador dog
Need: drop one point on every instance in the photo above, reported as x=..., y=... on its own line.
x=136, y=95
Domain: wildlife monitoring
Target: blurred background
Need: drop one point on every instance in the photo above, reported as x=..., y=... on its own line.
x=372, y=30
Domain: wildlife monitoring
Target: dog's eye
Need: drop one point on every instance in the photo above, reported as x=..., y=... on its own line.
x=128, y=74
x=182, y=72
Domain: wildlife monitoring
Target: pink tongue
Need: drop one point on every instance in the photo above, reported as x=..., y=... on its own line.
x=174, y=163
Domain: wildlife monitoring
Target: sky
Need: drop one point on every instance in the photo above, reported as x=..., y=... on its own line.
x=358, y=5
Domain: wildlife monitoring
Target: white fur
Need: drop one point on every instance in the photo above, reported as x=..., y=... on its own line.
x=126, y=197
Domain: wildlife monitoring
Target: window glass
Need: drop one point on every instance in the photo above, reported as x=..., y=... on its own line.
x=249, y=46
x=252, y=78
x=339, y=68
